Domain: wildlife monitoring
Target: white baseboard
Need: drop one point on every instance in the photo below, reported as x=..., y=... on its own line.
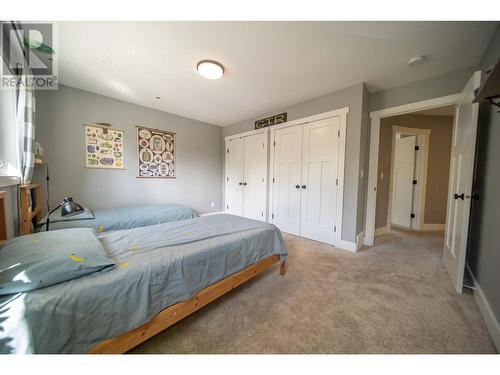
x=346, y=245
x=212, y=213
x=360, y=239
x=491, y=321
x=366, y=242
x=433, y=227
x=382, y=230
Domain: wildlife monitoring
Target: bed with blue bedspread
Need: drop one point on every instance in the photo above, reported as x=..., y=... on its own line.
x=110, y=219
x=156, y=266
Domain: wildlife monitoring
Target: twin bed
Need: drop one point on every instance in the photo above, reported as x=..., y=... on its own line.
x=162, y=273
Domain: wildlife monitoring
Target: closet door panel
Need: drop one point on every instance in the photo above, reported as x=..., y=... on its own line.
x=255, y=176
x=319, y=176
x=234, y=176
x=287, y=174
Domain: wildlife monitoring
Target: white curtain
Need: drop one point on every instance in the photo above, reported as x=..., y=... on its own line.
x=25, y=124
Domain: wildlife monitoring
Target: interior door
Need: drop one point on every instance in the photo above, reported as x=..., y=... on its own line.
x=287, y=179
x=255, y=180
x=460, y=185
x=319, y=179
x=404, y=173
x=234, y=176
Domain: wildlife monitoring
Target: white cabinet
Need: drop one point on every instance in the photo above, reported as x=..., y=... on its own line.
x=307, y=174
x=246, y=175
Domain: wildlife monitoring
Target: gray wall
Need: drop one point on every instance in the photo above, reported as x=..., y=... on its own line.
x=483, y=255
x=434, y=87
x=351, y=97
x=438, y=164
x=60, y=116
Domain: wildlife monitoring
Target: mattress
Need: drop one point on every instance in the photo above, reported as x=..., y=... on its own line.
x=158, y=266
x=110, y=219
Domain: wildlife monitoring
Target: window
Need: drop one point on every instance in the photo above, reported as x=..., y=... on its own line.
x=8, y=149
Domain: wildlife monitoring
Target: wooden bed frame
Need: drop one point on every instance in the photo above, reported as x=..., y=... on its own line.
x=31, y=208
x=177, y=312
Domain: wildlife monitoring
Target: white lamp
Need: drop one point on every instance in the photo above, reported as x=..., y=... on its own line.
x=210, y=69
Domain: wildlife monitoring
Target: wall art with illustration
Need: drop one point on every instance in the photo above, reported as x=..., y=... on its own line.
x=156, y=153
x=103, y=147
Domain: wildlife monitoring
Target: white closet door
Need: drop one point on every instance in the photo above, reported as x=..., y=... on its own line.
x=234, y=176
x=404, y=173
x=287, y=179
x=319, y=174
x=255, y=180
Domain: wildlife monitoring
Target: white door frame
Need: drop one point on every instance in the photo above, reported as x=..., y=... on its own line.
x=421, y=173
x=375, y=117
x=342, y=112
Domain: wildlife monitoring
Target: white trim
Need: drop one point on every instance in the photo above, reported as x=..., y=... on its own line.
x=375, y=116
x=212, y=213
x=341, y=173
x=491, y=321
x=246, y=134
x=371, y=194
x=439, y=227
x=441, y=101
x=423, y=162
x=360, y=239
x=346, y=245
x=320, y=116
x=342, y=113
x=270, y=192
x=405, y=130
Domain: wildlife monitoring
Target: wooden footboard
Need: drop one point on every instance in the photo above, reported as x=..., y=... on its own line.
x=177, y=312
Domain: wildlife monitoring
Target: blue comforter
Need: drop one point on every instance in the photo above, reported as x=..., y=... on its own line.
x=110, y=219
x=158, y=266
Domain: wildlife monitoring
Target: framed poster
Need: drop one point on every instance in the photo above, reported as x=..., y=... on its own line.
x=156, y=153
x=103, y=147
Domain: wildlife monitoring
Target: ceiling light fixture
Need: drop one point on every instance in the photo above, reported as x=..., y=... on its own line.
x=416, y=60
x=210, y=69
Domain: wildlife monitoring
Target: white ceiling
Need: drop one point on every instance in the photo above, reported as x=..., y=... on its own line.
x=268, y=64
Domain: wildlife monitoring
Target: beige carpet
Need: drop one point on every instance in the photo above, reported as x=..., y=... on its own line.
x=393, y=298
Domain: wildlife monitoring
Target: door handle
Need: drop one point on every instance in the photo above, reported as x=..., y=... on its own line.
x=303, y=186
x=475, y=197
x=240, y=183
x=297, y=186
x=461, y=196
x=244, y=184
